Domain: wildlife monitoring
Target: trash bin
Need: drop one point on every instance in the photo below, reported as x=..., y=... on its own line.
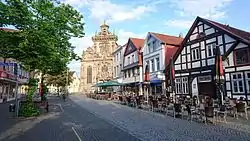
x=12, y=107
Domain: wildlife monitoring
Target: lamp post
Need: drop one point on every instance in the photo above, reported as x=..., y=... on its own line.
x=67, y=80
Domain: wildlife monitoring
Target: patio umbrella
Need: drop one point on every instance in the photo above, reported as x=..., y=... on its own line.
x=172, y=74
x=97, y=84
x=219, y=73
x=146, y=80
x=109, y=84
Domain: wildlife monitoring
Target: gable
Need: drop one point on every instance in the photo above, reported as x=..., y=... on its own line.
x=129, y=48
x=151, y=38
x=203, y=30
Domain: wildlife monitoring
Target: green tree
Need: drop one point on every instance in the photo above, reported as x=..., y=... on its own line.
x=61, y=80
x=44, y=28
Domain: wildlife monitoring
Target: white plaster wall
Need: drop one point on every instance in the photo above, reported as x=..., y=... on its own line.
x=241, y=45
x=177, y=67
x=228, y=38
x=131, y=79
x=196, y=64
x=178, y=60
x=206, y=26
x=135, y=53
x=209, y=31
x=194, y=87
x=210, y=40
x=220, y=41
x=210, y=61
x=195, y=45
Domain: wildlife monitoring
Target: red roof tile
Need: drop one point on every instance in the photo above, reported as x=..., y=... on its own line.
x=172, y=40
x=139, y=43
x=237, y=32
x=170, y=51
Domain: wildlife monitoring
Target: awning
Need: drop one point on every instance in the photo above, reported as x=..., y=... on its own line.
x=155, y=82
x=108, y=84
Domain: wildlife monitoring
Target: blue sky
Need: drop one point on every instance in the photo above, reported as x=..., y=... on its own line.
x=134, y=18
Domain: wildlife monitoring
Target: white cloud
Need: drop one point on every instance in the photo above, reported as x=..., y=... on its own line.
x=77, y=3
x=212, y=9
x=104, y=9
x=184, y=24
x=124, y=35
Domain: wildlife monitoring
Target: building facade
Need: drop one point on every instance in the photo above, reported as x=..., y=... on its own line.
x=97, y=61
x=132, y=65
x=118, y=65
x=157, y=49
x=8, y=78
x=75, y=85
x=195, y=60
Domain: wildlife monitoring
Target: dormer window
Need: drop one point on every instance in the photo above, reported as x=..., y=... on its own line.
x=201, y=35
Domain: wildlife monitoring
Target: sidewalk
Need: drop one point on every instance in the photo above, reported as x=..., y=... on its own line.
x=7, y=118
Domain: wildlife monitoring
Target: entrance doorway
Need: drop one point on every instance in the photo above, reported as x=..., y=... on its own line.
x=207, y=89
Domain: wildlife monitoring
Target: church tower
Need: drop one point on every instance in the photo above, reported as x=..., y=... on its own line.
x=97, y=61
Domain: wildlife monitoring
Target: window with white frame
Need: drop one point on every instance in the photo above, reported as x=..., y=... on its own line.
x=237, y=82
x=185, y=85
x=133, y=58
x=211, y=49
x=195, y=54
x=247, y=76
x=178, y=85
x=152, y=65
x=181, y=85
x=157, y=60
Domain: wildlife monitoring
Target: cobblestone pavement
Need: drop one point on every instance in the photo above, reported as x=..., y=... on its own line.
x=66, y=121
x=155, y=127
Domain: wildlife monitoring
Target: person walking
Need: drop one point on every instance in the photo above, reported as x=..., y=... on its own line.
x=64, y=97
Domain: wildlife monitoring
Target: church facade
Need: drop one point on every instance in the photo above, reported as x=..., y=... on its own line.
x=97, y=61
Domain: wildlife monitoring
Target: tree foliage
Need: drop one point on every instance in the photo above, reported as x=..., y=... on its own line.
x=60, y=80
x=44, y=28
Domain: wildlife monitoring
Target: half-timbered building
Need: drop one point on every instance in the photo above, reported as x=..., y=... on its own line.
x=195, y=60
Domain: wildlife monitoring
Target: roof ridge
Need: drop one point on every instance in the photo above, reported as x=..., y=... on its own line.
x=245, y=35
x=165, y=34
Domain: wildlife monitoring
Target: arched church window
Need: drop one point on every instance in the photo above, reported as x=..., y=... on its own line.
x=89, y=74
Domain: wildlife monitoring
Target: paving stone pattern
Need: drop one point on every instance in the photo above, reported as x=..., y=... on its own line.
x=155, y=127
x=57, y=126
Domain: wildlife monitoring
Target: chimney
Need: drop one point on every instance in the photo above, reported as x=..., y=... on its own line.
x=180, y=35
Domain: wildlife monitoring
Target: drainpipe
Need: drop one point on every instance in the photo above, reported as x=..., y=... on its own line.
x=140, y=59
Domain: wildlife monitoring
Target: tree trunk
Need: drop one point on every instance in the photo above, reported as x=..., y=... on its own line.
x=58, y=91
x=42, y=87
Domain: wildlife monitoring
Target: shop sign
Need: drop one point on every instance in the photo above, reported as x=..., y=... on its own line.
x=206, y=78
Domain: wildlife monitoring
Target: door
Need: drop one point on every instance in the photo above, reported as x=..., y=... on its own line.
x=207, y=88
